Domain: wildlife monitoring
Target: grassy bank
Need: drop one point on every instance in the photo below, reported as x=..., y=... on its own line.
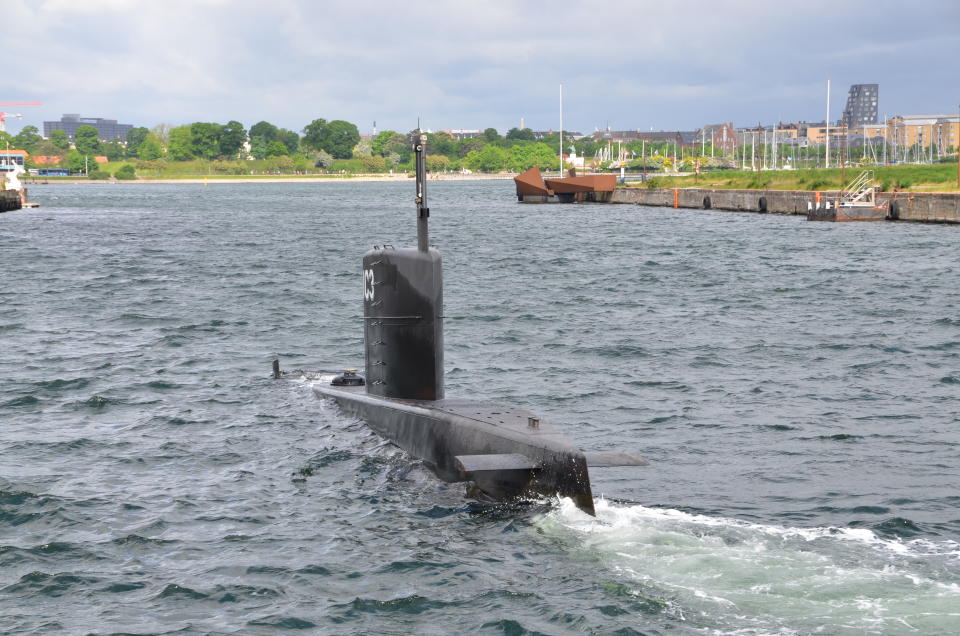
x=923, y=178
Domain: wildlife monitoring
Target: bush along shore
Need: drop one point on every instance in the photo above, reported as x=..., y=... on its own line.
x=329, y=149
x=899, y=178
x=211, y=150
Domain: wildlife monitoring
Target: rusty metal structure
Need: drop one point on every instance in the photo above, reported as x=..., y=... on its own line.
x=531, y=184
x=533, y=188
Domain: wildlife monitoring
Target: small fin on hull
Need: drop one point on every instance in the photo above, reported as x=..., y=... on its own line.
x=483, y=463
x=608, y=459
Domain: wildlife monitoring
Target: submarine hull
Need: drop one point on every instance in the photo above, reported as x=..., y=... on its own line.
x=505, y=451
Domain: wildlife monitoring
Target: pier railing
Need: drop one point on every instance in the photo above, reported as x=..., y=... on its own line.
x=860, y=191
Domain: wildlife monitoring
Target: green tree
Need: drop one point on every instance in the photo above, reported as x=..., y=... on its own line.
x=374, y=163
x=378, y=145
x=553, y=140
x=340, y=138
x=258, y=147
x=441, y=144
x=181, y=144
x=264, y=129
x=125, y=172
x=526, y=156
x=473, y=143
x=73, y=161
x=490, y=159
x=135, y=137
x=113, y=149
x=28, y=138
x=205, y=140
x=87, y=140
x=46, y=148
x=438, y=163
x=491, y=135
x=60, y=139
x=150, y=149
x=231, y=138
x=392, y=144
x=518, y=134
x=314, y=134
x=543, y=156
x=276, y=148
x=588, y=147
x=289, y=139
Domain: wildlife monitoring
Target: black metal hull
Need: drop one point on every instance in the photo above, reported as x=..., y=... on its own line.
x=440, y=431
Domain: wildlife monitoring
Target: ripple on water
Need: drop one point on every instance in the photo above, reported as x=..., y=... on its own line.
x=23, y=400
x=282, y=622
x=41, y=584
x=156, y=480
x=56, y=552
x=60, y=384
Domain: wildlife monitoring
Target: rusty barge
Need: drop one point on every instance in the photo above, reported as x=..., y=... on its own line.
x=533, y=188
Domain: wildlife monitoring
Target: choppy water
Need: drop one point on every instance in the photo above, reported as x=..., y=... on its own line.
x=793, y=384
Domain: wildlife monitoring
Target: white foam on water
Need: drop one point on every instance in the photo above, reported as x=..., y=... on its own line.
x=728, y=576
x=319, y=380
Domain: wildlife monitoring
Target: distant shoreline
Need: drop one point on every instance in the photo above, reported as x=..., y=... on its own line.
x=401, y=178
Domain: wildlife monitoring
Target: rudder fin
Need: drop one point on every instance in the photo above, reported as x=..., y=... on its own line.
x=494, y=462
x=608, y=459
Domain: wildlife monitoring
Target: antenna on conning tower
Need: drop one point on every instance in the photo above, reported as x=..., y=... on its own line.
x=423, y=212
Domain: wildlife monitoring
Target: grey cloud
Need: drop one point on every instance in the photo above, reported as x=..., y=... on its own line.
x=471, y=64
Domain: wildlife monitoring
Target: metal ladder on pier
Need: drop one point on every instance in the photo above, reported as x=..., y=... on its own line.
x=860, y=192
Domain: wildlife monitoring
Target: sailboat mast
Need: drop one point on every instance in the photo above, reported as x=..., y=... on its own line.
x=561, y=129
x=827, y=154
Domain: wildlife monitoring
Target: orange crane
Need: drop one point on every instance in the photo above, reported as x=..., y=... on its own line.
x=3, y=115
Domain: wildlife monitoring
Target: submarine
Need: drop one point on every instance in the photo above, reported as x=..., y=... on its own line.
x=505, y=452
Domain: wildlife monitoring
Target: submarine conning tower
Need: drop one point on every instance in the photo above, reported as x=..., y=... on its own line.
x=402, y=309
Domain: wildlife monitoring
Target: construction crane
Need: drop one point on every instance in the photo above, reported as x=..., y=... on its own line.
x=3, y=115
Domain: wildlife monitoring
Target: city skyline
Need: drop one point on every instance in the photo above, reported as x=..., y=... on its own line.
x=472, y=66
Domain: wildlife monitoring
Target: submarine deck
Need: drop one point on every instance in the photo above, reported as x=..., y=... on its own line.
x=448, y=434
x=506, y=420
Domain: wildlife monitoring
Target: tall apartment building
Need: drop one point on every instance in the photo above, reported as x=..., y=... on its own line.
x=109, y=129
x=861, y=105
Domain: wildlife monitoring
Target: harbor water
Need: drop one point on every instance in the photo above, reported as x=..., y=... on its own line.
x=794, y=386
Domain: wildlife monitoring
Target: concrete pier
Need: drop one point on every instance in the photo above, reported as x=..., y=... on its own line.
x=930, y=207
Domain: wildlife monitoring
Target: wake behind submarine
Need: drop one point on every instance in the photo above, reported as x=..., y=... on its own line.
x=507, y=452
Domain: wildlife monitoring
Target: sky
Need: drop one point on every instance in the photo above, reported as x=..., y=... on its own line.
x=664, y=65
